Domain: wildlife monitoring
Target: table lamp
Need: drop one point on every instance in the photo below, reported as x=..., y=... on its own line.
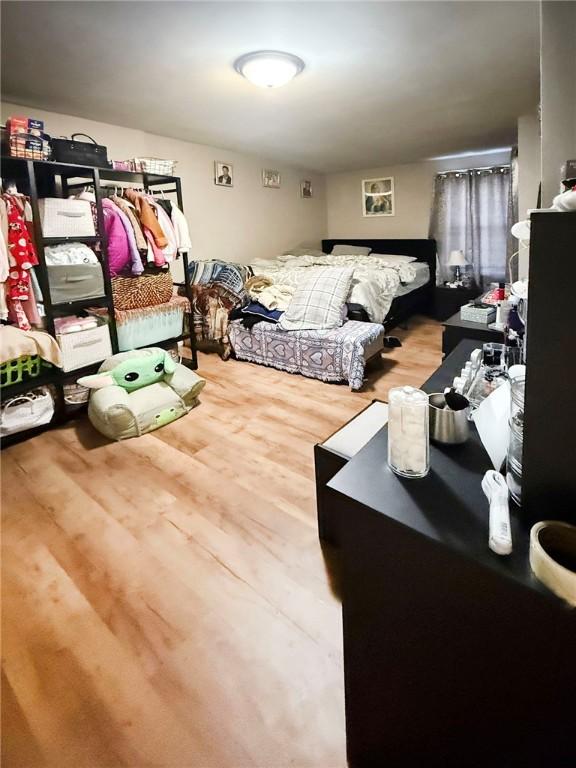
x=457, y=260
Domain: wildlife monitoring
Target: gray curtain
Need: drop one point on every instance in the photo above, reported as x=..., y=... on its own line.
x=511, y=242
x=470, y=213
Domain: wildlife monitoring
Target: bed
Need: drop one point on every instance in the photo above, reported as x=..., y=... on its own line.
x=413, y=299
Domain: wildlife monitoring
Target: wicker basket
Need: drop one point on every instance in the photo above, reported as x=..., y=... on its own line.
x=21, y=369
x=76, y=394
x=154, y=165
x=146, y=290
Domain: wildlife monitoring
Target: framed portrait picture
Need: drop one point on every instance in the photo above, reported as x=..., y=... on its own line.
x=270, y=178
x=223, y=174
x=306, y=188
x=378, y=197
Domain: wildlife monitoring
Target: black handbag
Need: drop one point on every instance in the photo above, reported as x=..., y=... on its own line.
x=80, y=152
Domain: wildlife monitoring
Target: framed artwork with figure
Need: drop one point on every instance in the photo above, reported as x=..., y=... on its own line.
x=223, y=174
x=270, y=178
x=378, y=196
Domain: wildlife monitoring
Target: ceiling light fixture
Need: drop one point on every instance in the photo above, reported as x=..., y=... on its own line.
x=269, y=69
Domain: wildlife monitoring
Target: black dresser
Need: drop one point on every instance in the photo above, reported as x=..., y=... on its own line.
x=453, y=656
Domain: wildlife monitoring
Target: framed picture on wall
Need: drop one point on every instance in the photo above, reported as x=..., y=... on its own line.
x=270, y=178
x=223, y=174
x=378, y=196
x=306, y=188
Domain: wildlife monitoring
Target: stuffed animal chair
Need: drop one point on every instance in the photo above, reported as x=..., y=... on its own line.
x=138, y=391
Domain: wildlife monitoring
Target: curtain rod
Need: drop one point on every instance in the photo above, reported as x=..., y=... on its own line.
x=467, y=170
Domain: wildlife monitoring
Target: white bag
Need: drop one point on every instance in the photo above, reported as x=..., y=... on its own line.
x=32, y=409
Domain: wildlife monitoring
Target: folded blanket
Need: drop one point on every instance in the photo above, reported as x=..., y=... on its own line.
x=15, y=343
x=270, y=294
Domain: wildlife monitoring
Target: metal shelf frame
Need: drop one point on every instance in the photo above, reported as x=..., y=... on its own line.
x=48, y=179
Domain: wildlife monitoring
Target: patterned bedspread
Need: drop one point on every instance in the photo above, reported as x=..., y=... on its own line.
x=338, y=354
x=374, y=283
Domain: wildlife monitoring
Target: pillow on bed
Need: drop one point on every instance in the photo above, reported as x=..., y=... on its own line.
x=394, y=258
x=317, y=303
x=303, y=252
x=350, y=250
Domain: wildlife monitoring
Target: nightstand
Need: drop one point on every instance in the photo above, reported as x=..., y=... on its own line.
x=449, y=300
x=456, y=329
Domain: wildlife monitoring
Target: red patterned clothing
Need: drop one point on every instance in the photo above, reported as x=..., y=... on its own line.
x=21, y=257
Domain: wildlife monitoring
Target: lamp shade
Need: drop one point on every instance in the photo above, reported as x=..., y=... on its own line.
x=456, y=259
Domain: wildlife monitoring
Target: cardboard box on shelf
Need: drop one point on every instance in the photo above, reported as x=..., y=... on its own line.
x=25, y=125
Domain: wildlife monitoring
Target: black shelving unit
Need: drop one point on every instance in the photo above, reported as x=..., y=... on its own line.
x=40, y=179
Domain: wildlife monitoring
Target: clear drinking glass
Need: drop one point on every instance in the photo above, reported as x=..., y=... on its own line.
x=408, y=438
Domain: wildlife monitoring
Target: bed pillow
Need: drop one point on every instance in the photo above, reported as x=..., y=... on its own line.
x=394, y=258
x=302, y=251
x=350, y=250
x=317, y=303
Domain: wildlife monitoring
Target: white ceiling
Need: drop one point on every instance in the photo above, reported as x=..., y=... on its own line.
x=385, y=82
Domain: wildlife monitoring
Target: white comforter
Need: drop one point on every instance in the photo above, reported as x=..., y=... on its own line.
x=374, y=283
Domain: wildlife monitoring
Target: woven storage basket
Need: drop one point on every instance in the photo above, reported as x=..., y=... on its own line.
x=147, y=290
x=84, y=347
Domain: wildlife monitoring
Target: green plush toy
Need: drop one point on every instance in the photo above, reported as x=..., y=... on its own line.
x=134, y=373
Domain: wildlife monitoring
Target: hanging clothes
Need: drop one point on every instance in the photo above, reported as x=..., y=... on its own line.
x=128, y=209
x=181, y=230
x=21, y=258
x=147, y=217
x=170, y=251
x=119, y=256
x=4, y=264
x=165, y=203
x=136, y=266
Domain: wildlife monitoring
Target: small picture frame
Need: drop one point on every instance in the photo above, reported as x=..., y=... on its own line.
x=270, y=178
x=306, y=190
x=378, y=196
x=223, y=174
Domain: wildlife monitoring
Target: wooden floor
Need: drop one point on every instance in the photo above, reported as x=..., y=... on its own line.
x=165, y=599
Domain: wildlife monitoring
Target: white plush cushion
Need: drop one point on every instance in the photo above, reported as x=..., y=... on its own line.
x=317, y=303
x=350, y=250
x=394, y=258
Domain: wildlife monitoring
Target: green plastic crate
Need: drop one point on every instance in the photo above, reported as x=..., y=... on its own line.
x=21, y=369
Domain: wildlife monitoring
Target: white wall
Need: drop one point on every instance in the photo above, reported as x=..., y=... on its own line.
x=558, y=92
x=238, y=224
x=413, y=186
x=529, y=170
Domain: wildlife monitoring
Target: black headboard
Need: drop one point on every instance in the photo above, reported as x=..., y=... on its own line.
x=423, y=250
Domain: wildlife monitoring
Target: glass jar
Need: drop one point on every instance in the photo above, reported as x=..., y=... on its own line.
x=408, y=438
x=516, y=441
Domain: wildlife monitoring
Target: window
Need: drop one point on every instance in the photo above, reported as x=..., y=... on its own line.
x=470, y=214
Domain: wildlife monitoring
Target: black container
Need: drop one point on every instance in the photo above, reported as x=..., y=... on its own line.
x=80, y=152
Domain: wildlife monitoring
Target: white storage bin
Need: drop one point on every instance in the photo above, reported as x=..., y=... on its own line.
x=61, y=217
x=84, y=347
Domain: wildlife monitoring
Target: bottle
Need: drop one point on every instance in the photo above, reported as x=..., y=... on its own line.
x=408, y=437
